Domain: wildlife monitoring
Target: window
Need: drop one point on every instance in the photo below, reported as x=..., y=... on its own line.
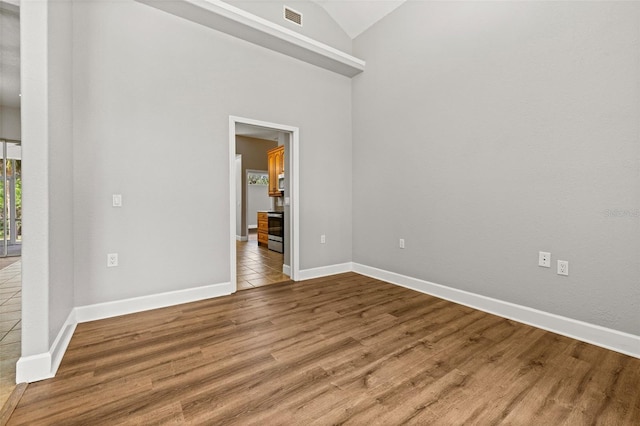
x=257, y=178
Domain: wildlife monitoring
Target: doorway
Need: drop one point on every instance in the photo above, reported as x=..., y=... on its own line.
x=289, y=206
x=258, y=261
x=10, y=265
x=10, y=198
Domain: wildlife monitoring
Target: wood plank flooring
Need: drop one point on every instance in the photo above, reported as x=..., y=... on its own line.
x=345, y=349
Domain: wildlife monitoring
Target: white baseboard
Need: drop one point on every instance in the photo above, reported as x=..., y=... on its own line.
x=286, y=269
x=61, y=343
x=323, y=271
x=153, y=301
x=45, y=365
x=241, y=238
x=33, y=368
x=614, y=340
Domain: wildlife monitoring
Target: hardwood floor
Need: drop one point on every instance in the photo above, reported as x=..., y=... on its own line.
x=346, y=349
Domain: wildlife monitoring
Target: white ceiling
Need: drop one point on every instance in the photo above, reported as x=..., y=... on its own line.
x=257, y=132
x=355, y=16
x=9, y=55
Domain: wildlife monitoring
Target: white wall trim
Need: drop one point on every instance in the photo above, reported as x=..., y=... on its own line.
x=61, y=343
x=225, y=17
x=324, y=271
x=36, y=136
x=33, y=368
x=45, y=365
x=614, y=340
x=241, y=238
x=153, y=301
x=286, y=269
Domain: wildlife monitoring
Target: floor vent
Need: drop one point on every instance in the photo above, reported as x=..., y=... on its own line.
x=292, y=16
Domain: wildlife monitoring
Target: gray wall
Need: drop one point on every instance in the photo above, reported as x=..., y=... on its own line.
x=254, y=157
x=10, y=123
x=485, y=132
x=60, y=149
x=152, y=99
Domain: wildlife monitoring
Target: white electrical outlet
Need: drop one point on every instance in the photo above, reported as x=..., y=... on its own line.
x=112, y=260
x=117, y=200
x=323, y=239
x=401, y=243
x=544, y=259
x=563, y=267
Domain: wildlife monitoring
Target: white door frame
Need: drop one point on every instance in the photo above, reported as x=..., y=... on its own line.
x=294, y=202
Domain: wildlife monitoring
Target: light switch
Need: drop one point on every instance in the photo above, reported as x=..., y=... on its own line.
x=117, y=200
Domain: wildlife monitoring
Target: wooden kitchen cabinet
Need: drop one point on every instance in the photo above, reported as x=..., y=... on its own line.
x=263, y=228
x=275, y=158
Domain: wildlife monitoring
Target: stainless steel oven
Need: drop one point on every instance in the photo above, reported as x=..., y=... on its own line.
x=276, y=231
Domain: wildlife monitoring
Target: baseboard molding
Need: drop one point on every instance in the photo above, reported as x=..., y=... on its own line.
x=42, y=366
x=323, y=271
x=242, y=238
x=614, y=340
x=34, y=368
x=61, y=343
x=286, y=269
x=153, y=301
x=45, y=365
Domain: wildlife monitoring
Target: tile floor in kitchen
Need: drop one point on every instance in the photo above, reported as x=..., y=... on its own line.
x=10, y=324
x=257, y=265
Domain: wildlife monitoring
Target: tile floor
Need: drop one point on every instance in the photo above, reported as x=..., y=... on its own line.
x=257, y=265
x=10, y=326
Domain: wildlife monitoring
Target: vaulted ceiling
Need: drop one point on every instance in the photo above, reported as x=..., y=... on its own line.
x=355, y=16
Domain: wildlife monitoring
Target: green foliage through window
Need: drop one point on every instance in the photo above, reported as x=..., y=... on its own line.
x=258, y=179
x=14, y=179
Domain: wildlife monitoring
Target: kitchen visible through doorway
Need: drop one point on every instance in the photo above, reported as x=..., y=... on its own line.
x=291, y=207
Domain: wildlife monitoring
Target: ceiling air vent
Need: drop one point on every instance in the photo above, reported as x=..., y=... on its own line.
x=292, y=16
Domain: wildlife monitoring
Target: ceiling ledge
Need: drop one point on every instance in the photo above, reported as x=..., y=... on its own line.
x=231, y=20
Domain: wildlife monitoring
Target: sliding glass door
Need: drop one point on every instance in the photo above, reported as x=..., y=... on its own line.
x=10, y=199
